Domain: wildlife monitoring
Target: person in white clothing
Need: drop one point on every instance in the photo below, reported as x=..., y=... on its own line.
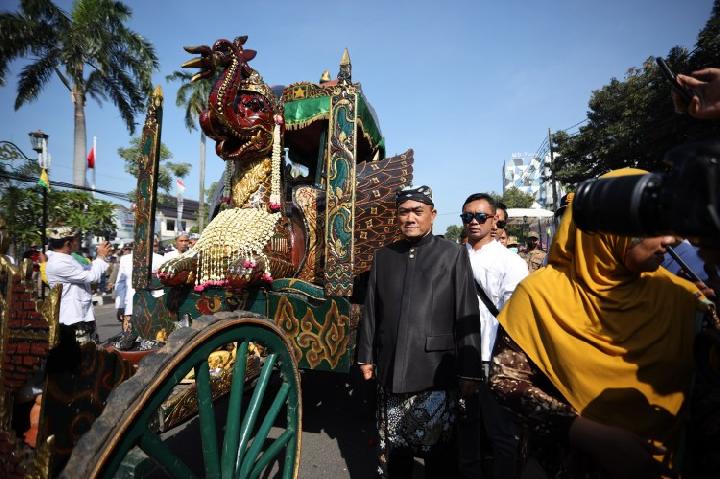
x=76, y=308
x=126, y=270
x=182, y=244
x=497, y=270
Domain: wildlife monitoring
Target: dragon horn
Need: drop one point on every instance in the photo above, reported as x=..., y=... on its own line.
x=201, y=49
x=197, y=62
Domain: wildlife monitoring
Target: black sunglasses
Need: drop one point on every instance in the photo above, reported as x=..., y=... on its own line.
x=501, y=224
x=480, y=217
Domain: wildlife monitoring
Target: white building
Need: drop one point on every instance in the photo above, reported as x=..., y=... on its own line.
x=166, y=226
x=525, y=172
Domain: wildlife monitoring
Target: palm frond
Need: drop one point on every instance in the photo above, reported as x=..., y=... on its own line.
x=33, y=77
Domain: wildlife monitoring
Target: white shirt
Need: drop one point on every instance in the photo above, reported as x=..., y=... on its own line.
x=76, y=299
x=498, y=270
x=170, y=255
x=126, y=272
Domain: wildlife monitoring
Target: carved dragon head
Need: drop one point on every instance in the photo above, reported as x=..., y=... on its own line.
x=241, y=107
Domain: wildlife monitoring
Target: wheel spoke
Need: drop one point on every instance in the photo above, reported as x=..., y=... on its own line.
x=207, y=420
x=254, y=407
x=157, y=450
x=262, y=433
x=232, y=424
x=272, y=452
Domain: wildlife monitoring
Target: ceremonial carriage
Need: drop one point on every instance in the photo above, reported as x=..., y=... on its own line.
x=273, y=285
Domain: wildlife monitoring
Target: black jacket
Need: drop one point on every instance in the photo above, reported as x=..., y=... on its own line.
x=420, y=324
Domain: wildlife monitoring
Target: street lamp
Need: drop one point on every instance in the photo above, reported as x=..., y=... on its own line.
x=39, y=141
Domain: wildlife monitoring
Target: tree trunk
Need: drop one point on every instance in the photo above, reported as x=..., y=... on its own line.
x=80, y=150
x=201, y=208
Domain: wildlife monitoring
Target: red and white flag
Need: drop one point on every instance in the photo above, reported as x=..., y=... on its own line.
x=91, y=158
x=180, y=185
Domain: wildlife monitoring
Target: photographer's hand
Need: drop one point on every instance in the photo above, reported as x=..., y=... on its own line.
x=705, y=83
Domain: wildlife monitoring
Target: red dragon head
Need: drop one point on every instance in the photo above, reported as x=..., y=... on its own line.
x=241, y=107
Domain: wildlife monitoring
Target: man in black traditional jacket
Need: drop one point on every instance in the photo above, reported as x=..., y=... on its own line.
x=420, y=335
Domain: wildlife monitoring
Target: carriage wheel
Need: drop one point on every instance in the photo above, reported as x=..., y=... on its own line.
x=245, y=450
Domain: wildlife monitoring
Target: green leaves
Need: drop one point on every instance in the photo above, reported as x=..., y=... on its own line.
x=515, y=198
x=631, y=121
x=91, y=50
x=168, y=170
x=21, y=208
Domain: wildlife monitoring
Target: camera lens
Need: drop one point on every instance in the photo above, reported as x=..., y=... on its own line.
x=625, y=205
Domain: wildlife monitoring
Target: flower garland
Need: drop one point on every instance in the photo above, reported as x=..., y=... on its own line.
x=236, y=235
x=276, y=165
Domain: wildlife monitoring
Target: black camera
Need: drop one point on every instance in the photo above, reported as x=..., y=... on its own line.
x=683, y=201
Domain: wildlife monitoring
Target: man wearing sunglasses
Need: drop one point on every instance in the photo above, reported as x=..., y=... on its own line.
x=420, y=336
x=496, y=271
x=500, y=221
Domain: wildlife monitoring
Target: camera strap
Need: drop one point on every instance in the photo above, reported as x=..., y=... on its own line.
x=486, y=301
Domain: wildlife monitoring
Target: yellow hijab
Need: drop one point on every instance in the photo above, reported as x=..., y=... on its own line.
x=616, y=344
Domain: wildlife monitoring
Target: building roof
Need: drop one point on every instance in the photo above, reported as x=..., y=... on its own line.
x=168, y=207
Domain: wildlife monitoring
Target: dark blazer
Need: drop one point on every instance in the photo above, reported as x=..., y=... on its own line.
x=420, y=324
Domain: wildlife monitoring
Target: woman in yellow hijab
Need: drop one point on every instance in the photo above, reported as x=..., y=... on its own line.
x=596, y=354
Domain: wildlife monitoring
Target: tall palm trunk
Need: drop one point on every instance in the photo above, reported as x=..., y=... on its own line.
x=201, y=208
x=80, y=150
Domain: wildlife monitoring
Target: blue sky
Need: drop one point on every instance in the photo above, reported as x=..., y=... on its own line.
x=463, y=83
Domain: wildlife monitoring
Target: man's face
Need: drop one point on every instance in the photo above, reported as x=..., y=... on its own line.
x=502, y=237
x=415, y=219
x=75, y=244
x=182, y=243
x=532, y=242
x=498, y=223
x=476, y=230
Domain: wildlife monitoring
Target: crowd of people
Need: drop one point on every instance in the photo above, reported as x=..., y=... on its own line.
x=492, y=361
x=109, y=272
x=577, y=363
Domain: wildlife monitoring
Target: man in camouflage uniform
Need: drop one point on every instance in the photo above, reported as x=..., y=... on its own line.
x=534, y=255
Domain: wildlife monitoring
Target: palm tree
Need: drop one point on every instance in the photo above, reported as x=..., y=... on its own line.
x=193, y=96
x=91, y=51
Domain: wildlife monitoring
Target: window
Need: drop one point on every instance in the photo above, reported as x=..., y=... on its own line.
x=170, y=225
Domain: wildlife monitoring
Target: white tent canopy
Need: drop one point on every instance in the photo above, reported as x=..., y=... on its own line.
x=518, y=216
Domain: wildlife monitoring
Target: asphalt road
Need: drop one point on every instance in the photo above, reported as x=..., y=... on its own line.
x=338, y=433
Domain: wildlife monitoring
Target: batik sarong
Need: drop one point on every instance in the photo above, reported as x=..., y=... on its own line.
x=416, y=422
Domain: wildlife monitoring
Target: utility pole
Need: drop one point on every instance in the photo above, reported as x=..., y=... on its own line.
x=201, y=207
x=552, y=171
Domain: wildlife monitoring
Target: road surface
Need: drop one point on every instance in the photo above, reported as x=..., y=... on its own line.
x=338, y=436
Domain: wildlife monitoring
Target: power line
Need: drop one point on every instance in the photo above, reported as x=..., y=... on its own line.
x=62, y=184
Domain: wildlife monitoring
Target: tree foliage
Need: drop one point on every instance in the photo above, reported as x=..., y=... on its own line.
x=513, y=197
x=90, y=49
x=168, y=170
x=21, y=208
x=631, y=121
x=192, y=96
x=453, y=233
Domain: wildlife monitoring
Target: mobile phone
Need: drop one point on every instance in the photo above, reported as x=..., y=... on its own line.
x=685, y=93
x=683, y=265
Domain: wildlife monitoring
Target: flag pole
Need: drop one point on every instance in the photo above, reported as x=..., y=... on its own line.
x=94, y=164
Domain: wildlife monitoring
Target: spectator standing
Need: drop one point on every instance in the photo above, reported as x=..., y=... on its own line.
x=126, y=270
x=182, y=244
x=534, y=255
x=76, y=308
x=420, y=335
x=497, y=271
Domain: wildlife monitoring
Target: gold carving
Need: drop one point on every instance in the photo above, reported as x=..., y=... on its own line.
x=312, y=340
x=248, y=179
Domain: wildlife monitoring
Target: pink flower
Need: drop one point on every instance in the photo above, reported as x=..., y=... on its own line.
x=274, y=206
x=267, y=277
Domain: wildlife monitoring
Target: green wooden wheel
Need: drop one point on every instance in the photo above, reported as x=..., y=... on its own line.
x=245, y=450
